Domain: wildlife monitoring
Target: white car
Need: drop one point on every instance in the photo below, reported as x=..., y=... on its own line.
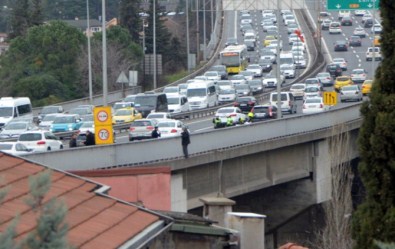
x=293, y=38
x=171, y=90
x=248, y=75
x=159, y=115
x=288, y=70
x=300, y=61
x=234, y=112
x=373, y=52
x=87, y=126
x=170, y=128
x=14, y=148
x=271, y=80
x=256, y=69
x=359, y=12
x=341, y=62
x=299, y=45
x=352, y=92
x=274, y=44
x=377, y=29
x=335, y=28
x=226, y=95
x=177, y=104
x=358, y=75
x=314, y=105
x=46, y=122
x=297, y=89
x=312, y=92
x=238, y=79
x=213, y=75
x=366, y=16
x=40, y=141
x=14, y=128
x=359, y=31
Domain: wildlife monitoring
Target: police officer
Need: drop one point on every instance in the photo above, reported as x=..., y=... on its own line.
x=250, y=116
x=217, y=122
x=229, y=121
x=155, y=133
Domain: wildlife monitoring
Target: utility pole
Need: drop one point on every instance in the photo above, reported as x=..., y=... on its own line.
x=154, y=41
x=187, y=20
x=104, y=48
x=89, y=54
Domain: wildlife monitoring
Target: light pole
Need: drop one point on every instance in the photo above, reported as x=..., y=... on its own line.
x=187, y=20
x=279, y=111
x=89, y=53
x=154, y=41
x=104, y=48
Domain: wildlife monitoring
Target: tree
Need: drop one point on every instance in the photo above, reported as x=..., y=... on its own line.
x=19, y=18
x=176, y=61
x=36, y=16
x=375, y=217
x=47, y=56
x=162, y=34
x=51, y=229
x=130, y=19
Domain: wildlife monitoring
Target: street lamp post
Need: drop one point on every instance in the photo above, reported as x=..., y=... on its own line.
x=89, y=53
x=187, y=20
x=154, y=41
x=104, y=48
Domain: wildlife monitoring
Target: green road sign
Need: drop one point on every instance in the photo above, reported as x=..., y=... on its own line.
x=352, y=4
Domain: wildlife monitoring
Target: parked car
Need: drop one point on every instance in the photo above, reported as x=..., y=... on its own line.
x=142, y=129
x=170, y=128
x=264, y=112
x=234, y=112
x=314, y=105
x=350, y=93
x=40, y=141
x=66, y=122
x=15, y=148
x=245, y=103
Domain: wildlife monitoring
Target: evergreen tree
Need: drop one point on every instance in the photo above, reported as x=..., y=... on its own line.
x=130, y=19
x=375, y=217
x=19, y=18
x=177, y=61
x=37, y=17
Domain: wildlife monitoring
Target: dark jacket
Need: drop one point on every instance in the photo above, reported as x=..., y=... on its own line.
x=155, y=133
x=185, y=138
x=90, y=139
x=73, y=142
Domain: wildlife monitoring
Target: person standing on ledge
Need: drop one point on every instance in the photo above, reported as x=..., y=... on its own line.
x=185, y=141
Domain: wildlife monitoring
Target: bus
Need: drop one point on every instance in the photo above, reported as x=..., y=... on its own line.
x=234, y=58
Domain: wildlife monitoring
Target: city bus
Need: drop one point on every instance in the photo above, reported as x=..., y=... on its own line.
x=234, y=58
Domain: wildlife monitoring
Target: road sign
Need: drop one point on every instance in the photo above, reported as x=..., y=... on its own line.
x=102, y=115
x=352, y=4
x=104, y=135
x=330, y=98
x=122, y=79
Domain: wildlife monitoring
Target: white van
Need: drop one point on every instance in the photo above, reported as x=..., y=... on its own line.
x=202, y=94
x=286, y=57
x=177, y=103
x=15, y=108
x=288, y=103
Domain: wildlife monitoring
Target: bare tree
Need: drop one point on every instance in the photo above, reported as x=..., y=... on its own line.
x=337, y=230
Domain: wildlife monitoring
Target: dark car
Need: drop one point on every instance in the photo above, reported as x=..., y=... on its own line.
x=231, y=41
x=354, y=41
x=255, y=85
x=346, y=21
x=221, y=69
x=334, y=69
x=264, y=112
x=250, y=45
x=245, y=103
x=368, y=23
x=266, y=65
x=341, y=46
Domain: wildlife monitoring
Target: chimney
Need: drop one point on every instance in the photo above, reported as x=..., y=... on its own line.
x=216, y=208
x=251, y=229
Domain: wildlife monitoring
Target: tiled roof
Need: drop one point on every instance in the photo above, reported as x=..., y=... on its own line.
x=95, y=220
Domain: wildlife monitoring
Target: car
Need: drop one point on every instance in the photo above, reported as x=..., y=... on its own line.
x=271, y=80
x=267, y=54
x=376, y=40
x=341, y=46
x=367, y=87
x=335, y=28
x=366, y=16
x=118, y=105
x=355, y=41
x=264, y=112
x=82, y=112
x=183, y=88
x=274, y=45
x=359, y=32
x=255, y=85
x=300, y=61
x=341, y=62
x=234, y=112
x=15, y=128
x=250, y=45
x=313, y=82
x=359, y=12
x=226, y=95
x=130, y=98
x=171, y=90
x=342, y=81
x=358, y=75
x=289, y=19
x=66, y=122
x=312, y=92
x=266, y=24
x=297, y=52
x=221, y=69
x=268, y=39
x=350, y=93
x=368, y=23
x=325, y=79
x=245, y=18
x=245, y=27
x=325, y=24
x=224, y=84
x=49, y=110
x=266, y=64
x=231, y=41
x=15, y=148
x=287, y=101
x=343, y=13
x=245, y=103
x=126, y=115
x=159, y=115
x=170, y=128
x=298, y=45
x=288, y=70
x=256, y=69
x=248, y=75
x=177, y=104
x=141, y=129
x=292, y=27
x=314, y=105
x=373, y=53
x=293, y=38
x=297, y=89
x=46, y=122
x=40, y=141
x=212, y=75
x=243, y=90
x=377, y=29
x=334, y=69
x=346, y=21
x=238, y=79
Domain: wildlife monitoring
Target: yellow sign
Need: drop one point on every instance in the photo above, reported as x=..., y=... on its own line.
x=102, y=115
x=104, y=134
x=330, y=98
x=354, y=6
